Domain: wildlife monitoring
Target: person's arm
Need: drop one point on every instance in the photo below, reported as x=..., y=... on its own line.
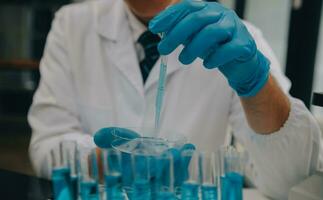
x=53, y=115
x=293, y=151
x=215, y=34
x=268, y=111
x=280, y=160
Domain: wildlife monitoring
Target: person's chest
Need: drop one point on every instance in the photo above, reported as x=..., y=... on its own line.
x=196, y=104
x=110, y=92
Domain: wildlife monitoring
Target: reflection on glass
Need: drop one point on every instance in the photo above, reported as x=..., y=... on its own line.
x=88, y=172
x=191, y=184
x=232, y=170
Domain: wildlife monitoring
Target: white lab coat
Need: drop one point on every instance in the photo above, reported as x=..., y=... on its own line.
x=90, y=78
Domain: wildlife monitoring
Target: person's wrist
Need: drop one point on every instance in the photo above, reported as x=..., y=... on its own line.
x=259, y=73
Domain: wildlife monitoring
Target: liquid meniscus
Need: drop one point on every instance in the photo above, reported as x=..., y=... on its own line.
x=190, y=191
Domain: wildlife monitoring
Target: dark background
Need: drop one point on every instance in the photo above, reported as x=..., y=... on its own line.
x=24, y=27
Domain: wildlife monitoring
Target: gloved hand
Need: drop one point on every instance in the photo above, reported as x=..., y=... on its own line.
x=104, y=137
x=215, y=34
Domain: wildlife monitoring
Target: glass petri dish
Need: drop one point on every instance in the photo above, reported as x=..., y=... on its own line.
x=149, y=142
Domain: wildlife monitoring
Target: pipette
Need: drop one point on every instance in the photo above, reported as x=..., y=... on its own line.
x=161, y=87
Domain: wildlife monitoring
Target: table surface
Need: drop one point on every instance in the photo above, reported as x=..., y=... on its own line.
x=15, y=186
x=253, y=194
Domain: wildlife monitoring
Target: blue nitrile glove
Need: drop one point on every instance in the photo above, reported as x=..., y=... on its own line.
x=104, y=137
x=215, y=34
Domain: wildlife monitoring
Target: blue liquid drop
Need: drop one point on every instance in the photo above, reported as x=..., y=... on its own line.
x=231, y=186
x=209, y=192
x=190, y=191
x=89, y=190
x=141, y=190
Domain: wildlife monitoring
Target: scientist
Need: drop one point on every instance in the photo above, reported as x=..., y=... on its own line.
x=100, y=69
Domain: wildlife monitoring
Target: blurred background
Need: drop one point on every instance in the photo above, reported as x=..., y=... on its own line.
x=294, y=29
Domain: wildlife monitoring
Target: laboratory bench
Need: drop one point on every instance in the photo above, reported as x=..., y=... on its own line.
x=16, y=186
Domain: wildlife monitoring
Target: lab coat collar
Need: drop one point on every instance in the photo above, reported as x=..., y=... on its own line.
x=111, y=19
x=112, y=25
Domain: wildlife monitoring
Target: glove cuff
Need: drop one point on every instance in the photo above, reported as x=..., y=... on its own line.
x=257, y=80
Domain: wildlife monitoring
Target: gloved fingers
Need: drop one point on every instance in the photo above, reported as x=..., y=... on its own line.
x=104, y=137
x=166, y=19
x=226, y=53
x=126, y=133
x=186, y=28
x=207, y=40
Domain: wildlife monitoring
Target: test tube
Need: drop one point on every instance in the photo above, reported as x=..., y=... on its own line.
x=61, y=171
x=161, y=87
x=232, y=170
x=191, y=185
x=165, y=177
x=88, y=172
x=112, y=174
x=210, y=171
x=69, y=155
x=141, y=176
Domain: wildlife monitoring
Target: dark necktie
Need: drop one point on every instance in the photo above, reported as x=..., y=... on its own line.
x=149, y=42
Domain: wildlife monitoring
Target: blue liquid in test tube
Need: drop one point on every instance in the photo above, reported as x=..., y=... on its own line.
x=231, y=186
x=89, y=190
x=113, y=187
x=190, y=191
x=209, y=192
x=154, y=188
x=166, y=196
x=74, y=186
x=141, y=190
x=61, y=183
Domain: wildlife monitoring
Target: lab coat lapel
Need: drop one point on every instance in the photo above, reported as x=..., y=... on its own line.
x=112, y=25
